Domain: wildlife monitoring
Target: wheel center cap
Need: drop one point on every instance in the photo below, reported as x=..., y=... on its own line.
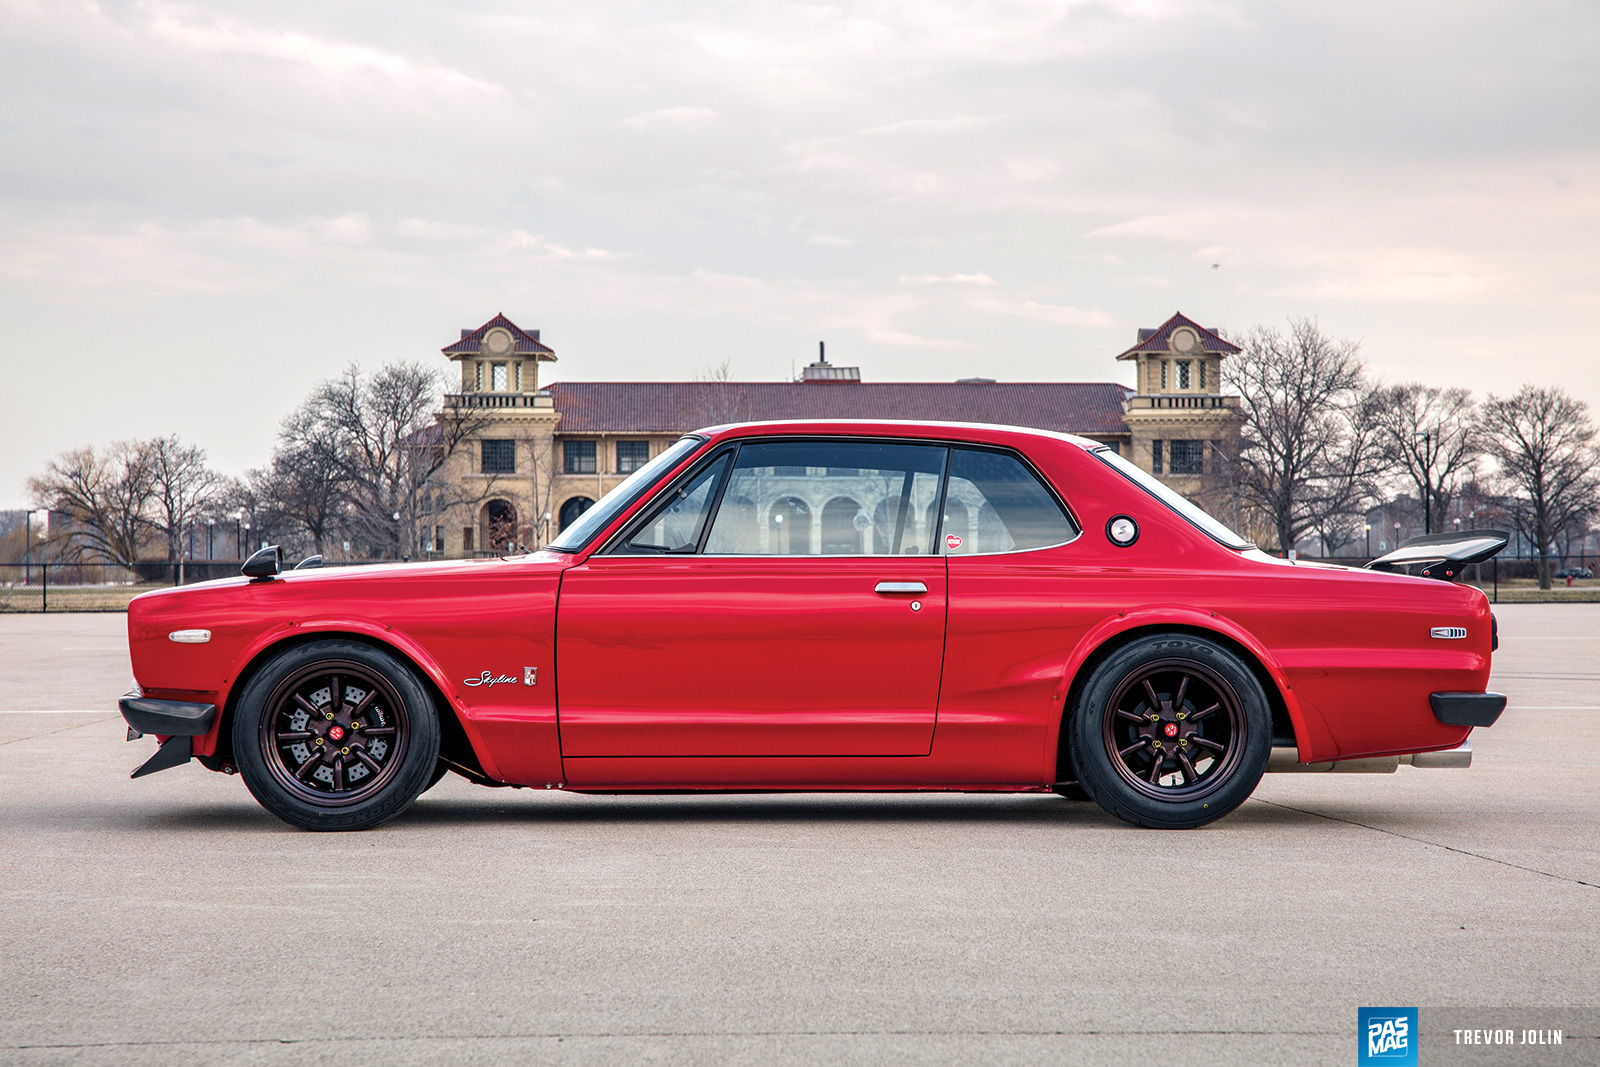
x=1171, y=729
x=336, y=732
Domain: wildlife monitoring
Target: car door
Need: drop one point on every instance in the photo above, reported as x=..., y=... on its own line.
x=783, y=599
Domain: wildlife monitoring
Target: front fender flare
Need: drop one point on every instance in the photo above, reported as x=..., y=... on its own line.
x=381, y=633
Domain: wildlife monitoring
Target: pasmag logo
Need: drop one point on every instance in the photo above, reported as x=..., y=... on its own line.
x=1386, y=1036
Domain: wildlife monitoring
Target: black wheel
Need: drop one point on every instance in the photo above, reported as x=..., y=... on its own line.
x=336, y=735
x=1171, y=732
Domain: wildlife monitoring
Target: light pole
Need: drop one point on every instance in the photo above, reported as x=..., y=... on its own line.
x=1427, y=479
x=1367, y=526
x=27, y=541
x=1397, y=535
x=238, y=534
x=211, y=539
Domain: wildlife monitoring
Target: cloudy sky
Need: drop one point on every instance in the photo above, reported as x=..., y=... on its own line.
x=206, y=207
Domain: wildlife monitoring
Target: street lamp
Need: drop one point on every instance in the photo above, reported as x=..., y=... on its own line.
x=211, y=538
x=238, y=534
x=1397, y=535
x=1367, y=526
x=1427, y=479
x=27, y=540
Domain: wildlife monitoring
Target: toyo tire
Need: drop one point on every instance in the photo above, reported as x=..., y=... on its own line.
x=1171, y=731
x=336, y=735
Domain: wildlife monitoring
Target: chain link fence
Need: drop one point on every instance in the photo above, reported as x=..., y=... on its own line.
x=39, y=587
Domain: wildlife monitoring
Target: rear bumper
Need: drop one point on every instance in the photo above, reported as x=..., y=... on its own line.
x=1467, y=709
x=178, y=720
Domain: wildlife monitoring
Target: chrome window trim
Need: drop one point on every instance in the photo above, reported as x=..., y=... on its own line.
x=616, y=544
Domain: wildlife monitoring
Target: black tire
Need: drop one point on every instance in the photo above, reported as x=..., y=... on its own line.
x=438, y=774
x=336, y=735
x=1171, y=732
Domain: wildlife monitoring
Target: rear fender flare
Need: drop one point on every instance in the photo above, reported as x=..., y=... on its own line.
x=1155, y=617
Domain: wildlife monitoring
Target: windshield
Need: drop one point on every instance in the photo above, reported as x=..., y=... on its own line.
x=615, y=502
x=1159, y=489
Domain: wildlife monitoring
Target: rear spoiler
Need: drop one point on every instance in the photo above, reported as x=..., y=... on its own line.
x=1444, y=555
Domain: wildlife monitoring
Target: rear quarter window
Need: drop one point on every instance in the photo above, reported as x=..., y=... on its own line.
x=995, y=503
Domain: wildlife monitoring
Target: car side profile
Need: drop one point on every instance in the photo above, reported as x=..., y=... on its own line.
x=829, y=606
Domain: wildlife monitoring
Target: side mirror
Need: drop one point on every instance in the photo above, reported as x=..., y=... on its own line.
x=262, y=566
x=309, y=561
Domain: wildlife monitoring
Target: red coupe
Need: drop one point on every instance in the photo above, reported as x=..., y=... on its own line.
x=829, y=606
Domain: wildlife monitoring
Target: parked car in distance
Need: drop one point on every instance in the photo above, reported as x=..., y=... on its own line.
x=810, y=606
x=1574, y=572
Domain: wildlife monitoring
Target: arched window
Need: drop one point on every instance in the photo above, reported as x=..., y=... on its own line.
x=573, y=508
x=843, y=522
x=789, y=528
x=499, y=518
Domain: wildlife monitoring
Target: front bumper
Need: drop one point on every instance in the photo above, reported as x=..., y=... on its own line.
x=179, y=721
x=1467, y=709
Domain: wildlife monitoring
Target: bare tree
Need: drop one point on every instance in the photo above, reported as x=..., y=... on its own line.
x=384, y=440
x=306, y=481
x=103, y=496
x=1307, y=449
x=181, y=487
x=1429, y=435
x=545, y=468
x=723, y=400
x=1544, y=443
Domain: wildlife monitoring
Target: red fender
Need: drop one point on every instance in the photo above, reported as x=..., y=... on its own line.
x=1311, y=733
x=377, y=631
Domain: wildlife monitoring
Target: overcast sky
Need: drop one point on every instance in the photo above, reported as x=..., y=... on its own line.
x=204, y=208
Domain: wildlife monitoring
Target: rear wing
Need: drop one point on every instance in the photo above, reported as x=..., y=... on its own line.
x=1444, y=555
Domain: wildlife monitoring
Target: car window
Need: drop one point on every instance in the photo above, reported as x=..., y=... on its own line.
x=623, y=496
x=829, y=498
x=675, y=525
x=996, y=504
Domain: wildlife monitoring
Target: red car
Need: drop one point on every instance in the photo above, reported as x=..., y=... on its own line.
x=828, y=606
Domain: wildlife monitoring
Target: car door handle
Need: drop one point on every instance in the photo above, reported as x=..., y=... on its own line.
x=900, y=587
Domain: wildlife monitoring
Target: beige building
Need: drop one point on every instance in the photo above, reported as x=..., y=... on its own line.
x=537, y=455
x=1180, y=423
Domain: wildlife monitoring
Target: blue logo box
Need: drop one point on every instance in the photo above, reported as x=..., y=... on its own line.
x=1386, y=1036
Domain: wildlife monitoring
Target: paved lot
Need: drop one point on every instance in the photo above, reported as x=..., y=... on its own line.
x=172, y=921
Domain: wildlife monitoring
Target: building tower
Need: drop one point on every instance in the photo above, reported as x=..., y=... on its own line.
x=506, y=469
x=1181, y=425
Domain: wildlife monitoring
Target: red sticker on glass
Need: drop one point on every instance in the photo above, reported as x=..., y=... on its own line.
x=951, y=541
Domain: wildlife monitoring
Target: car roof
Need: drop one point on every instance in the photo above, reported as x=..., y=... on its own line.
x=973, y=432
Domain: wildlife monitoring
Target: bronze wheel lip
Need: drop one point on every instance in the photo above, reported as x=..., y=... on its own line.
x=281, y=703
x=1151, y=732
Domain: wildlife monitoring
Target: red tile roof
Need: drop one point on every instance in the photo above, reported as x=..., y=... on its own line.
x=1156, y=340
x=472, y=340
x=677, y=407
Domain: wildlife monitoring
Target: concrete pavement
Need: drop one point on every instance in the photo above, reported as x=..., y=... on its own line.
x=171, y=920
